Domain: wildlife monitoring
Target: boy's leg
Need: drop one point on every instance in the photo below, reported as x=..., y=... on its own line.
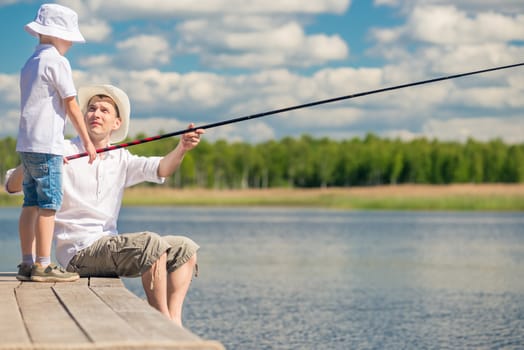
x=29, y=214
x=43, y=187
x=43, y=270
x=26, y=231
x=45, y=225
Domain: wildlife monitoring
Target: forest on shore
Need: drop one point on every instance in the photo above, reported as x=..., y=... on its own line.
x=307, y=162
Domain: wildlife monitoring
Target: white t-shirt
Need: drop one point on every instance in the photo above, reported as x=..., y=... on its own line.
x=93, y=195
x=45, y=81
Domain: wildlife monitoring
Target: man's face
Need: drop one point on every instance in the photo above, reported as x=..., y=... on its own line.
x=101, y=117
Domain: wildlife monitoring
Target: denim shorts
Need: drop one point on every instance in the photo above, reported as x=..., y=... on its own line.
x=131, y=254
x=42, y=180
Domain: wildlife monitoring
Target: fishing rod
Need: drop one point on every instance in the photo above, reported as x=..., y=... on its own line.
x=287, y=109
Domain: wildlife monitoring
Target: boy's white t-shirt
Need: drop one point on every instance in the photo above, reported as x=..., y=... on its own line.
x=45, y=81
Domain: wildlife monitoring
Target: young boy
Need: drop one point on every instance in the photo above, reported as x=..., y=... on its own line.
x=48, y=95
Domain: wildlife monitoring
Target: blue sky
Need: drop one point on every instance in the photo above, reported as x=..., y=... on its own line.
x=211, y=60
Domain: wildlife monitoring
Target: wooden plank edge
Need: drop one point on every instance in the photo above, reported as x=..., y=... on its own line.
x=105, y=282
x=201, y=345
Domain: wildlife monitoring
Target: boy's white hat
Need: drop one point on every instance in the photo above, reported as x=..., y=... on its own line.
x=85, y=93
x=58, y=21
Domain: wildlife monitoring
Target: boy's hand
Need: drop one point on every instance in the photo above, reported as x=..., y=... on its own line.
x=91, y=150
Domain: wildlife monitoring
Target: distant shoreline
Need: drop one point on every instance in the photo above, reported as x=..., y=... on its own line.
x=497, y=197
x=455, y=197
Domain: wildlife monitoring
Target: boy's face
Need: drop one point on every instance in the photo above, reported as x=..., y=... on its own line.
x=63, y=45
x=60, y=44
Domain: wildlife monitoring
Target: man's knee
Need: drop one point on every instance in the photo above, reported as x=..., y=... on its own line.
x=182, y=250
x=192, y=260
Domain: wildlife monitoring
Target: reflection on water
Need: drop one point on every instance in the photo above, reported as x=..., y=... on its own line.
x=315, y=279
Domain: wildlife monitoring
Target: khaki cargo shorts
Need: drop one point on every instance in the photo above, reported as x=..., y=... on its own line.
x=131, y=254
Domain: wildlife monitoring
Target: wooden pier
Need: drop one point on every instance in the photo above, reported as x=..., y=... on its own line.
x=92, y=313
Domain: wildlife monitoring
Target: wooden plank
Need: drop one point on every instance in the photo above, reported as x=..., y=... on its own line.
x=8, y=277
x=153, y=345
x=142, y=317
x=105, y=282
x=73, y=315
x=95, y=317
x=12, y=328
x=45, y=318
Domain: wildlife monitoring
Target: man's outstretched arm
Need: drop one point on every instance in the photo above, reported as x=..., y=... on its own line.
x=170, y=163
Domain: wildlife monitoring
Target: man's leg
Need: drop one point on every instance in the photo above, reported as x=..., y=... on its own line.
x=178, y=283
x=155, y=285
x=166, y=291
x=128, y=255
x=181, y=263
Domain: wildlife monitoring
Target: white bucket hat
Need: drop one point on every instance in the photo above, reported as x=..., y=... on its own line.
x=85, y=93
x=58, y=21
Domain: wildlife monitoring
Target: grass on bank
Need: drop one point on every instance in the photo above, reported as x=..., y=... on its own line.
x=484, y=197
x=497, y=197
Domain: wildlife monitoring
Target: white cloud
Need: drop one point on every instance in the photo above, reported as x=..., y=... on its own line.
x=255, y=131
x=387, y=2
x=437, y=37
x=206, y=98
x=455, y=41
x=95, y=30
x=447, y=25
x=440, y=40
x=10, y=104
x=335, y=117
x=509, y=129
x=95, y=61
x=143, y=51
x=155, y=126
x=257, y=42
x=183, y=8
x=506, y=6
x=492, y=97
x=345, y=81
x=167, y=102
x=462, y=58
x=10, y=119
x=9, y=89
x=224, y=33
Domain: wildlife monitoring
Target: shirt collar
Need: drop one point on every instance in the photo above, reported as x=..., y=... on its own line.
x=78, y=142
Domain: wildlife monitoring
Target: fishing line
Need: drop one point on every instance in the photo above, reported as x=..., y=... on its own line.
x=287, y=109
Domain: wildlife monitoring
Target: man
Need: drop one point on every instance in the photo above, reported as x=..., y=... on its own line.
x=87, y=241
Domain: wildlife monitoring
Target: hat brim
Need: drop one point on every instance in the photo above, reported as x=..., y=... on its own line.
x=85, y=93
x=36, y=29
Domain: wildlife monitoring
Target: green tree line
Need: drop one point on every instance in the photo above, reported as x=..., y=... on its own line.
x=311, y=162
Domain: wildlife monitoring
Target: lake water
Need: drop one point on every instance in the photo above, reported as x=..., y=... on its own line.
x=318, y=279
